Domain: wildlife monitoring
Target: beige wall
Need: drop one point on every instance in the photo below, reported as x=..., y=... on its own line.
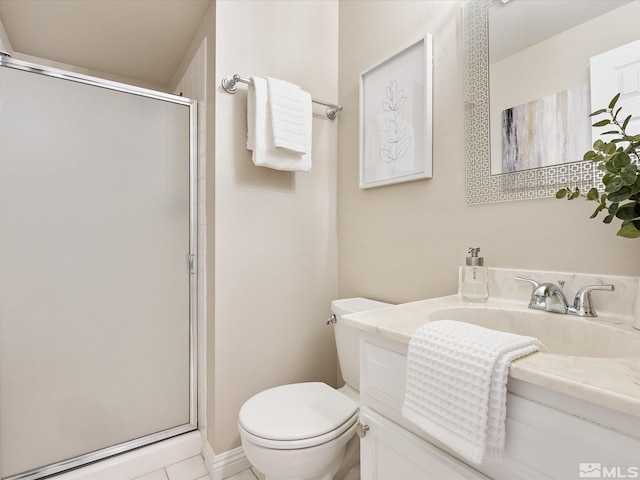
x=275, y=232
x=404, y=242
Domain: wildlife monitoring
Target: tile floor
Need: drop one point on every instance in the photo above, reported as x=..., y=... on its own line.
x=249, y=474
x=194, y=469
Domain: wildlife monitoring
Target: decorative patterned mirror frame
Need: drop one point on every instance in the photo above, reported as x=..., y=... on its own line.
x=480, y=186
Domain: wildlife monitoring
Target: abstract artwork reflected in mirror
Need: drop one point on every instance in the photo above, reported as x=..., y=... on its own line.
x=548, y=131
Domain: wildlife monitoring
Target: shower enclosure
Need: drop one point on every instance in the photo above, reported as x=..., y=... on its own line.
x=97, y=268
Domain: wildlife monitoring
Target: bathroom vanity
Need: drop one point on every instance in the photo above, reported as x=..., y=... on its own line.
x=572, y=410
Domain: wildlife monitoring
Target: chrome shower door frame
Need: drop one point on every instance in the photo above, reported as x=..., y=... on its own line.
x=191, y=257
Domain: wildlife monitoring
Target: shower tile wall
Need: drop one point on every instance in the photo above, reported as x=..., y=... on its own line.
x=193, y=85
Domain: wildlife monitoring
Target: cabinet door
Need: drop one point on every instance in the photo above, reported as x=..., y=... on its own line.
x=389, y=452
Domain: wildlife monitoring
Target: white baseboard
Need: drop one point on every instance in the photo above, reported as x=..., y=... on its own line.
x=224, y=464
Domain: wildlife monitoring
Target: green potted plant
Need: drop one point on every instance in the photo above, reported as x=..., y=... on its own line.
x=617, y=158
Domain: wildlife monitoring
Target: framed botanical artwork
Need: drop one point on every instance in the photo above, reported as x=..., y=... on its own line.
x=396, y=117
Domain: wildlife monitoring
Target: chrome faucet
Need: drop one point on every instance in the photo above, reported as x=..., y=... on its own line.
x=544, y=294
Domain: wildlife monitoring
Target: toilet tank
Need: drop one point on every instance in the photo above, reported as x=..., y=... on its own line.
x=347, y=338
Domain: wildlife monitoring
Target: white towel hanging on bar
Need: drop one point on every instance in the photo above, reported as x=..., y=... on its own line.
x=260, y=133
x=287, y=103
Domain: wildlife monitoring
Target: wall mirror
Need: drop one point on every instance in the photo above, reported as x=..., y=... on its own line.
x=534, y=55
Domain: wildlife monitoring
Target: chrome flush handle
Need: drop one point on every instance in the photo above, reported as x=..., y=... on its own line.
x=332, y=319
x=361, y=430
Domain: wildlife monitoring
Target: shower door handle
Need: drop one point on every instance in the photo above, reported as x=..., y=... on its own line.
x=192, y=264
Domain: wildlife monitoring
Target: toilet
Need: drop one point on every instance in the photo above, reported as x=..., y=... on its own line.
x=306, y=431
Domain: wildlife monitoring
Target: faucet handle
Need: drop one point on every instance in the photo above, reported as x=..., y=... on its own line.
x=583, y=304
x=532, y=282
x=535, y=301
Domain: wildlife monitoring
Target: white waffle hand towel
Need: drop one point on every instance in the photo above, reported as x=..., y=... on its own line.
x=260, y=137
x=457, y=385
x=289, y=115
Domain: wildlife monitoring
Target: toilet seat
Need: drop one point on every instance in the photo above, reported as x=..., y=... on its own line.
x=297, y=416
x=304, y=443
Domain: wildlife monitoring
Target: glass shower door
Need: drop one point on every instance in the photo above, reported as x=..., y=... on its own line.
x=97, y=279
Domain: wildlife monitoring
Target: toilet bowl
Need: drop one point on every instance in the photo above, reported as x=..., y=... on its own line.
x=297, y=431
x=306, y=431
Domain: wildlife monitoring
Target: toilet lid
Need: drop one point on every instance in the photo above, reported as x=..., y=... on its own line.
x=296, y=411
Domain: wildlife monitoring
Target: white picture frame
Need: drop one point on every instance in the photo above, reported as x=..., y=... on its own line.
x=396, y=117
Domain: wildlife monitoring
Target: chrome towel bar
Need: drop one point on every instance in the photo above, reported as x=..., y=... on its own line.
x=230, y=86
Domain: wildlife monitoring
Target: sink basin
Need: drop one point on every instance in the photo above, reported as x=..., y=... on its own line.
x=561, y=334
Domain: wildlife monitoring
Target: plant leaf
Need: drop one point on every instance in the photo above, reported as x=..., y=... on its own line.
x=589, y=155
x=629, y=231
x=609, y=148
x=628, y=177
x=611, y=168
x=597, y=211
x=562, y=193
x=593, y=194
x=607, y=178
x=598, y=112
x=613, y=101
x=601, y=123
x=620, y=195
x=626, y=122
x=621, y=160
x=629, y=211
x=615, y=115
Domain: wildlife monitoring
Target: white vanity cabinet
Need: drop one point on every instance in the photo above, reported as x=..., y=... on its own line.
x=389, y=450
x=543, y=439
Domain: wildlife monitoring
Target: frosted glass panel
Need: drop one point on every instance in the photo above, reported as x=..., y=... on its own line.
x=94, y=277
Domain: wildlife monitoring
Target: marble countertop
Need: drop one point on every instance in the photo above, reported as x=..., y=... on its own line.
x=610, y=382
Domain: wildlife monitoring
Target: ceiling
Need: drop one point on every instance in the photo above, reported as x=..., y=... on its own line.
x=516, y=25
x=143, y=40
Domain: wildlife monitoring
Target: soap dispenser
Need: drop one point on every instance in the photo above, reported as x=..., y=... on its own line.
x=474, y=285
